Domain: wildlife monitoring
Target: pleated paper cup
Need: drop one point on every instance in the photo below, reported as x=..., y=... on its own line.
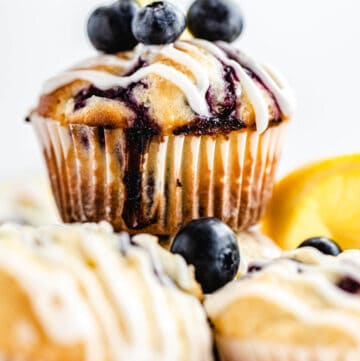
x=256, y=350
x=160, y=183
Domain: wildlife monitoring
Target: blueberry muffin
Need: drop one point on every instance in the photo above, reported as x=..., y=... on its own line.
x=304, y=305
x=152, y=136
x=84, y=293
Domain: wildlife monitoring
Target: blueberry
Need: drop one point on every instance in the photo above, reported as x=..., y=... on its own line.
x=215, y=20
x=349, y=285
x=109, y=27
x=211, y=246
x=158, y=23
x=253, y=268
x=323, y=244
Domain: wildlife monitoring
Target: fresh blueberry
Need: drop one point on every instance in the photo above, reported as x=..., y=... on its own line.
x=215, y=20
x=323, y=244
x=109, y=27
x=158, y=23
x=211, y=246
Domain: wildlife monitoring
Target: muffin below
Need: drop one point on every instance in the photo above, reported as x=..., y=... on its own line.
x=301, y=306
x=84, y=293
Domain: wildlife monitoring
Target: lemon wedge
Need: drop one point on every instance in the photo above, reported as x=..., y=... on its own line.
x=320, y=199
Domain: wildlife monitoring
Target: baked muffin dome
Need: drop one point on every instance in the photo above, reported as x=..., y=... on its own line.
x=301, y=306
x=85, y=293
x=187, y=87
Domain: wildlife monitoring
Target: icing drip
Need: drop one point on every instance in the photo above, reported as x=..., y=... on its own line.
x=270, y=78
x=182, y=58
x=256, y=98
x=103, y=80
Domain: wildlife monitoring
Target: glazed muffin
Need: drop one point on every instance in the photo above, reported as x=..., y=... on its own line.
x=302, y=306
x=27, y=201
x=151, y=138
x=84, y=293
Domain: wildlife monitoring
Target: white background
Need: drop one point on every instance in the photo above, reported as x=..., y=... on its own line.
x=315, y=43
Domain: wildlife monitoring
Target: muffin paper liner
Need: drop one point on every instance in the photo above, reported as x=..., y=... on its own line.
x=255, y=350
x=158, y=184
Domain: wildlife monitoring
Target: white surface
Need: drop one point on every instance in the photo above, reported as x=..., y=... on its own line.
x=314, y=43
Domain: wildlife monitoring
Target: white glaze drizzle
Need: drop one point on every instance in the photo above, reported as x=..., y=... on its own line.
x=275, y=82
x=164, y=323
x=253, y=92
x=118, y=287
x=186, y=45
x=183, y=58
x=125, y=297
x=194, y=93
x=290, y=303
x=104, y=81
x=97, y=299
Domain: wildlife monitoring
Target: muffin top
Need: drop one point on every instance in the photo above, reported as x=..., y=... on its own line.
x=302, y=298
x=186, y=87
x=82, y=292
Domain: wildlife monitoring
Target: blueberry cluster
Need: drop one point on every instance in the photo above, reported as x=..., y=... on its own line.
x=120, y=26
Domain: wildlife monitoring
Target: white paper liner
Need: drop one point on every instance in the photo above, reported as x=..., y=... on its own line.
x=183, y=177
x=256, y=350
